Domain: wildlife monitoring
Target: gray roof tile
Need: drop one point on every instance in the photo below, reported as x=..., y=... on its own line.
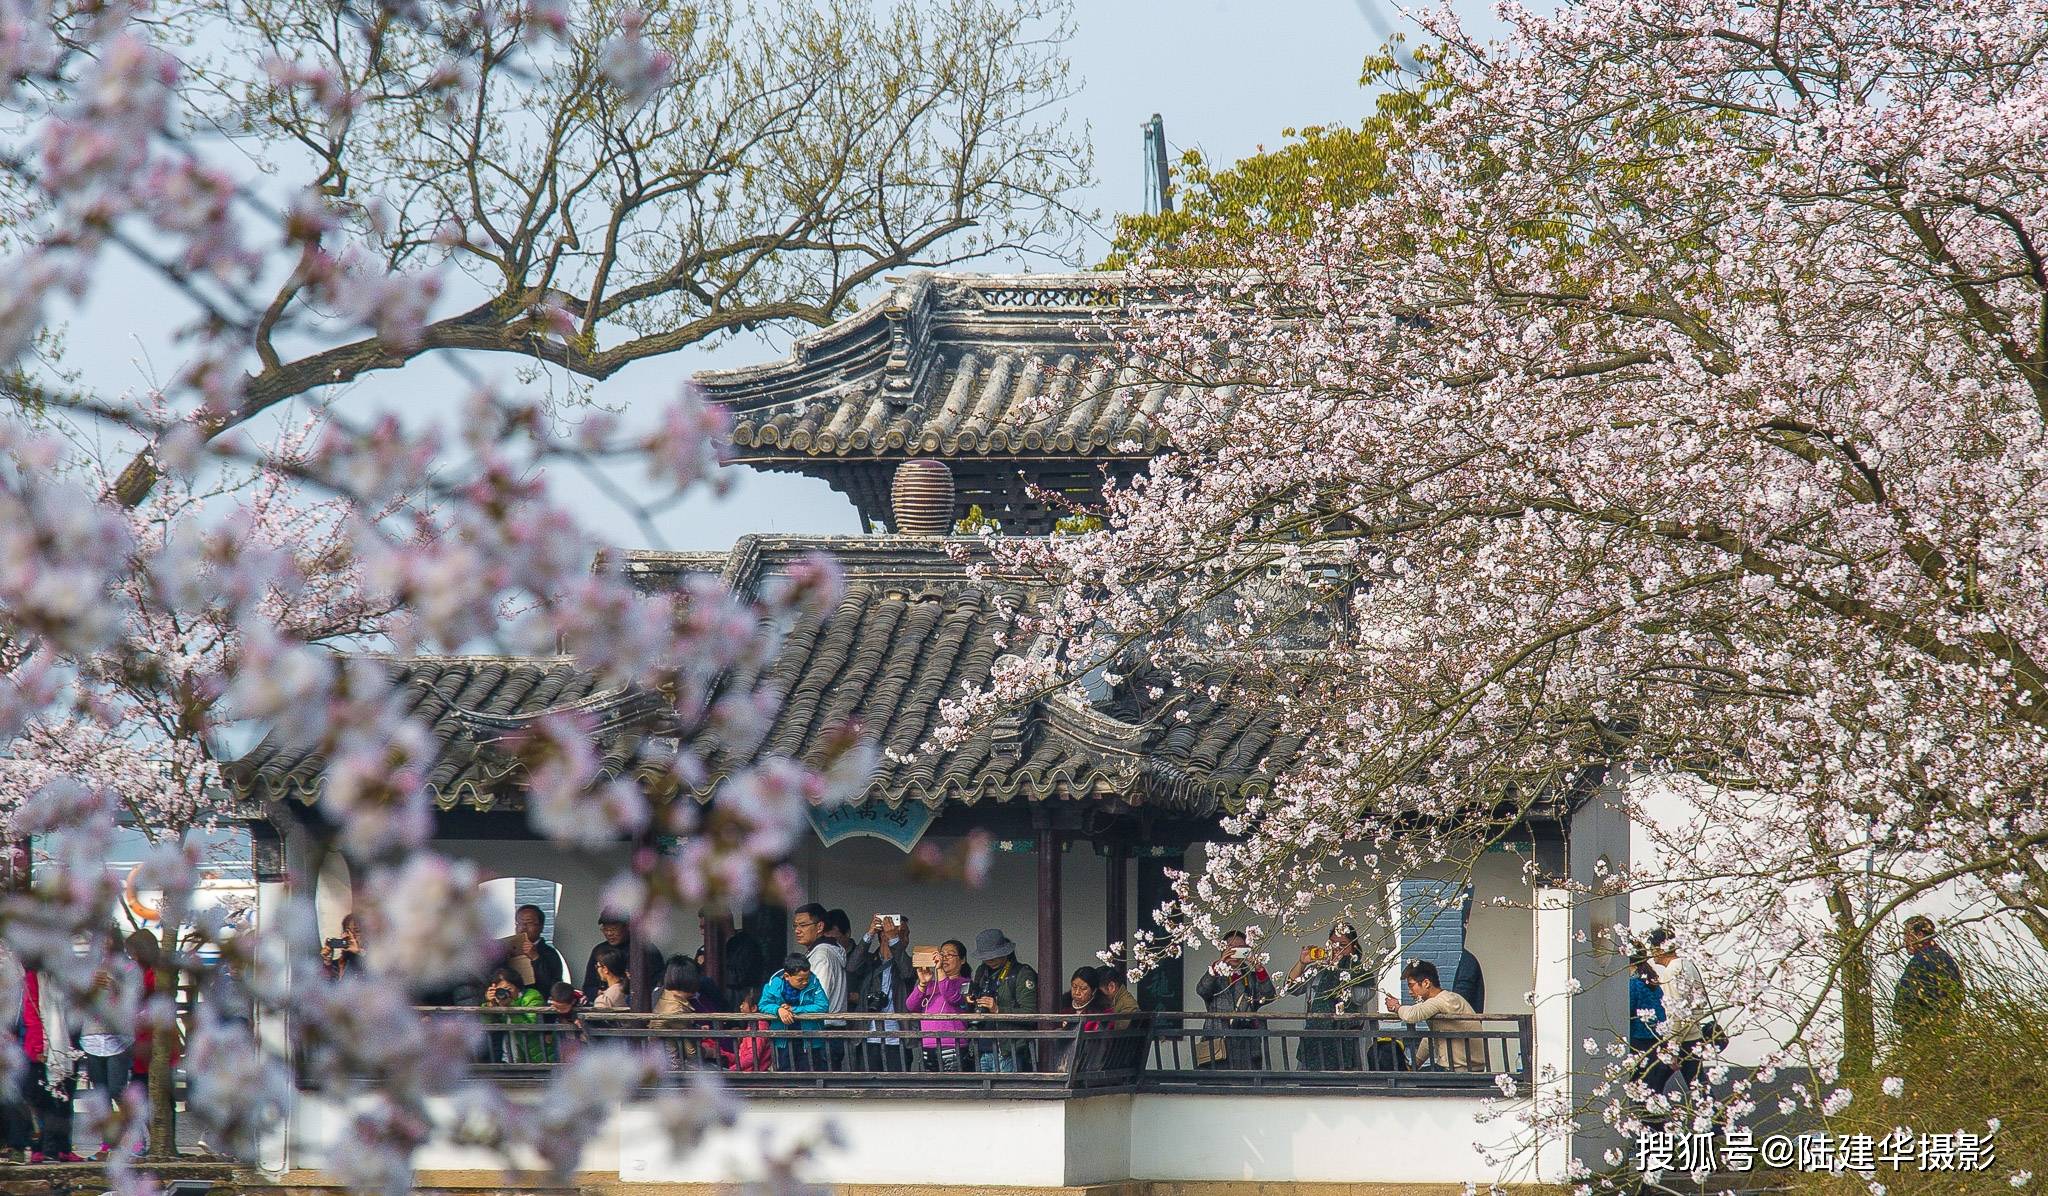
x=911, y=631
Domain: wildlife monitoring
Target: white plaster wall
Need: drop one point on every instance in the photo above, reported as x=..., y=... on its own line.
x=1553, y=1031
x=333, y=896
x=272, y=1027
x=319, y=1128
x=1307, y=1139
x=880, y=1141
x=1098, y=1137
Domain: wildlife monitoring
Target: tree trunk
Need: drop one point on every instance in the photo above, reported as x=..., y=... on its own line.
x=163, y=1043
x=1859, y=1008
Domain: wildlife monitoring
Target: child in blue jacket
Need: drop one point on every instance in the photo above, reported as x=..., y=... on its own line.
x=1645, y=1014
x=788, y=995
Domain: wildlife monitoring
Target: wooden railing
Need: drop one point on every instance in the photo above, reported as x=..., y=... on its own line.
x=1052, y=1055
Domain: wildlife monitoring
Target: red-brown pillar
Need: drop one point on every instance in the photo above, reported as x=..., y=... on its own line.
x=717, y=929
x=1052, y=978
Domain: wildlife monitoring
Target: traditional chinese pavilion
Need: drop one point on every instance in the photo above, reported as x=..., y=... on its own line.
x=949, y=393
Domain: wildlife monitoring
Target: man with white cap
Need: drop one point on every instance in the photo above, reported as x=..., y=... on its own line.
x=1002, y=985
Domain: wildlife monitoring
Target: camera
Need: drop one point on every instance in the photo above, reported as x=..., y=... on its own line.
x=337, y=944
x=982, y=987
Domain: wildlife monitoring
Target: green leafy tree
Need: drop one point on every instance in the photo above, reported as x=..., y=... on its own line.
x=1219, y=211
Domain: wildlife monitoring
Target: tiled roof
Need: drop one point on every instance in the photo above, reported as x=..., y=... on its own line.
x=911, y=631
x=1010, y=379
x=952, y=365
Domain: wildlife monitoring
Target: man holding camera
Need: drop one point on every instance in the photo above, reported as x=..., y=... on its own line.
x=879, y=973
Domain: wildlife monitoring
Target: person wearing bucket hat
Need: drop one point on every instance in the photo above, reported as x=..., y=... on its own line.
x=1002, y=985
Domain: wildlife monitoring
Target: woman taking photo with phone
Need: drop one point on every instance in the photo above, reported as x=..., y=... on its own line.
x=1236, y=983
x=941, y=988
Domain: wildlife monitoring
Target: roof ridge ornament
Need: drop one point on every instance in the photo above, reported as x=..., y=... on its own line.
x=908, y=312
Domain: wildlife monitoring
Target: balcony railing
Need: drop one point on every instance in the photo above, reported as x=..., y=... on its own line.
x=1043, y=1055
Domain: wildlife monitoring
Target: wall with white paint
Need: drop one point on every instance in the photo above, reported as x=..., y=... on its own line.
x=875, y=1141
x=1105, y=1139
x=1309, y=1139
x=1028, y=1143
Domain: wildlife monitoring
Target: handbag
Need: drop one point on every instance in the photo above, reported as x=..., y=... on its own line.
x=1210, y=1051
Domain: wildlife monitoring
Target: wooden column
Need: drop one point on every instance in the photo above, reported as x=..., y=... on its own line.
x=717, y=929
x=1117, y=914
x=1163, y=986
x=1052, y=977
x=639, y=987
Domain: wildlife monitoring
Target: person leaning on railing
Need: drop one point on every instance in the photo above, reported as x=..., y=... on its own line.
x=561, y=1012
x=753, y=1052
x=795, y=993
x=1447, y=1014
x=680, y=998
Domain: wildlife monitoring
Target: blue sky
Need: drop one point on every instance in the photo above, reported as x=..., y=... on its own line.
x=1226, y=75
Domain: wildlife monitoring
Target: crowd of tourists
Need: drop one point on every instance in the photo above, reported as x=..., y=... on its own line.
x=876, y=1001
x=62, y=1046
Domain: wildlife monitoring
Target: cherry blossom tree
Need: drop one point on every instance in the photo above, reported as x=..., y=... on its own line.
x=150, y=737
x=1677, y=408
x=142, y=620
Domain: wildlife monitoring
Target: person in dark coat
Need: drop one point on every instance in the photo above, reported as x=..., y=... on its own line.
x=1336, y=980
x=1932, y=984
x=1002, y=984
x=878, y=978
x=746, y=962
x=1469, y=981
x=1237, y=983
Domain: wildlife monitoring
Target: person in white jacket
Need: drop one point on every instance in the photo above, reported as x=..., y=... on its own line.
x=43, y=1022
x=1688, y=1012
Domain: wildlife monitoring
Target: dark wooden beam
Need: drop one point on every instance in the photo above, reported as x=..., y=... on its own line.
x=1163, y=986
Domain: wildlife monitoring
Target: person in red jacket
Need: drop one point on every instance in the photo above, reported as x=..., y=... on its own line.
x=38, y=1117
x=142, y=948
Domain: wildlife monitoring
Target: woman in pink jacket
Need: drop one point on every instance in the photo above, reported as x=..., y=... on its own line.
x=942, y=990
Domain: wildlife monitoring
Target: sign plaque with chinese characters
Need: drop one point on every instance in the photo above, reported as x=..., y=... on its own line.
x=901, y=825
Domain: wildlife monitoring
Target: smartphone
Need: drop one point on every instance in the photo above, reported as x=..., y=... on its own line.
x=893, y=919
x=1319, y=954
x=924, y=957
x=1240, y=953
